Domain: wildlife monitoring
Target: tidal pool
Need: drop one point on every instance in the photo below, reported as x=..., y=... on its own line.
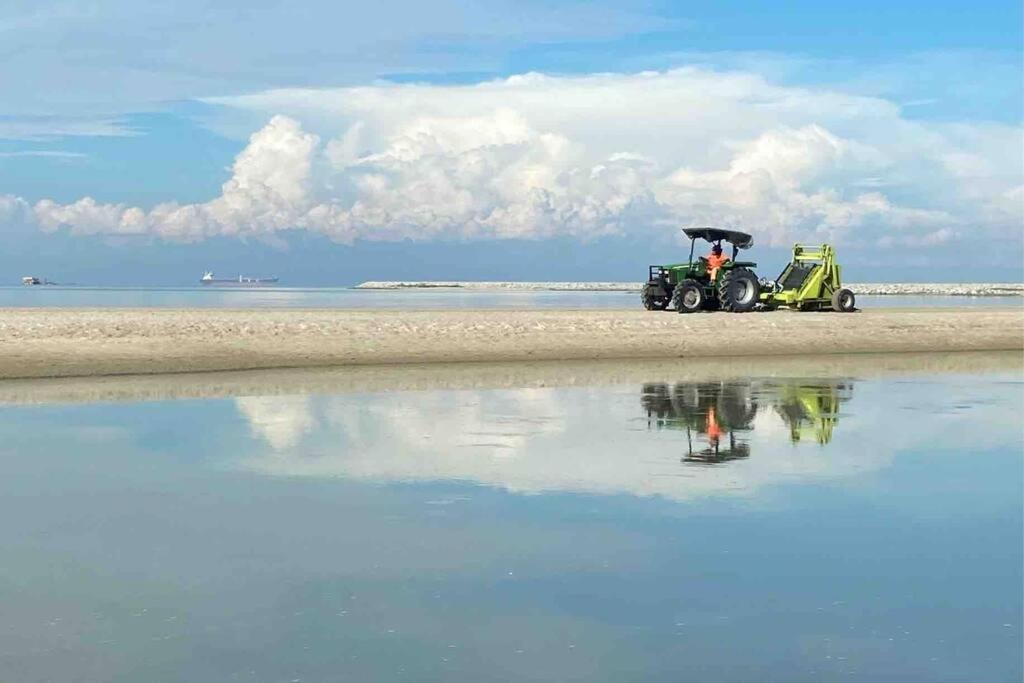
x=771, y=527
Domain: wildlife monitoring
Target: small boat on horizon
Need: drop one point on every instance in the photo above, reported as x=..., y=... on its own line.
x=242, y=281
x=31, y=280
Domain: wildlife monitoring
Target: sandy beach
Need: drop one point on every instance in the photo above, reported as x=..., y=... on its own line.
x=81, y=342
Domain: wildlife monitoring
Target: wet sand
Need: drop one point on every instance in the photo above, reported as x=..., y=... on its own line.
x=37, y=343
x=461, y=376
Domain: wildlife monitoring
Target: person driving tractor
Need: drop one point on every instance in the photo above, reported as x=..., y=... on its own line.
x=715, y=260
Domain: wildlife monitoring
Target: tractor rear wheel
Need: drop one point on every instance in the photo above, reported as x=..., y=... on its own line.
x=653, y=303
x=737, y=406
x=688, y=297
x=738, y=290
x=843, y=301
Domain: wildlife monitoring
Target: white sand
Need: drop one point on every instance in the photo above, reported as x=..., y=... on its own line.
x=84, y=342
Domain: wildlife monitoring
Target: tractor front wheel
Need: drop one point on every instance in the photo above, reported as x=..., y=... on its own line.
x=738, y=290
x=688, y=297
x=843, y=301
x=653, y=303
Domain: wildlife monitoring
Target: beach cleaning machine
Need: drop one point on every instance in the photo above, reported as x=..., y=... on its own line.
x=810, y=282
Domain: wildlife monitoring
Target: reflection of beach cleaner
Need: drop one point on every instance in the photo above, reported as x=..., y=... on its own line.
x=811, y=409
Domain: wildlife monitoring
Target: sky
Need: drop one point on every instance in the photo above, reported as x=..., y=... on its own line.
x=332, y=142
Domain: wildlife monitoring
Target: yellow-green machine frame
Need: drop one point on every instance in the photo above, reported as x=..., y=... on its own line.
x=811, y=408
x=811, y=281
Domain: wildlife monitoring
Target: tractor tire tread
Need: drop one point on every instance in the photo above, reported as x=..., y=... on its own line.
x=653, y=304
x=843, y=301
x=725, y=295
x=678, y=293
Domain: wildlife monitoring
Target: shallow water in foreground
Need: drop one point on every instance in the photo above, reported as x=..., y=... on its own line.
x=760, y=528
x=346, y=298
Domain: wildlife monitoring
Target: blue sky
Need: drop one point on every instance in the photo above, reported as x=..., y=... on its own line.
x=331, y=143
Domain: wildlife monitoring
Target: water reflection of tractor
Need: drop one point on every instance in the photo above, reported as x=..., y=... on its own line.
x=716, y=415
x=811, y=407
x=710, y=412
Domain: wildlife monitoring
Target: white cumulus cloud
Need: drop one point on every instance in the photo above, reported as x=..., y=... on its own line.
x=535, y=156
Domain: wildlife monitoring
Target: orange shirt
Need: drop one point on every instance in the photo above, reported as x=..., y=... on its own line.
x=711, y=425
x=716, y=261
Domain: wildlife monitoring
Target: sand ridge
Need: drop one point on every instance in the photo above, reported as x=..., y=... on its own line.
x=87, y=342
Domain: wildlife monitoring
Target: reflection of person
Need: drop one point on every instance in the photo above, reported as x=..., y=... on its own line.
x=715, y=260
x=714, y=430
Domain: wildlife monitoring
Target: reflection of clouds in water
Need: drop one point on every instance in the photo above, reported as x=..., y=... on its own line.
x=280, y=420
x=495, y=423
x=500, y=422
x=591, y=440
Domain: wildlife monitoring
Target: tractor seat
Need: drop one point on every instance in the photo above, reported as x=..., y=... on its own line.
x=795, y=275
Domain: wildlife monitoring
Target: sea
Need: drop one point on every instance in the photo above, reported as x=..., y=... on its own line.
x=859, y=520
x=412, y=298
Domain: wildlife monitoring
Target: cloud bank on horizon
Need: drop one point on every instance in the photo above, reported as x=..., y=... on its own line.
x=536, y=156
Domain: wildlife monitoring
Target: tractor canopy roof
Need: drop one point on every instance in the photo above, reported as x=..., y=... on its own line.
x=740, y=239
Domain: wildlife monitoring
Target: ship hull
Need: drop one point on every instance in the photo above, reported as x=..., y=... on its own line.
x=238, y=283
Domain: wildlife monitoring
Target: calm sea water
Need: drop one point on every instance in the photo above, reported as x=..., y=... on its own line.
x=763, y=528
x=282, y=297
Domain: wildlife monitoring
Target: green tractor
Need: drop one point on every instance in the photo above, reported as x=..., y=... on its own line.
x=809, y=282
x=688, y=287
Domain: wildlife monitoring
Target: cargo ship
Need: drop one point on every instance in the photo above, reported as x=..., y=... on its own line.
x=242, y=281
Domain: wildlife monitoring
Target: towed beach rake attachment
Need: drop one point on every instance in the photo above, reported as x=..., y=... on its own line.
x=810, y=282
